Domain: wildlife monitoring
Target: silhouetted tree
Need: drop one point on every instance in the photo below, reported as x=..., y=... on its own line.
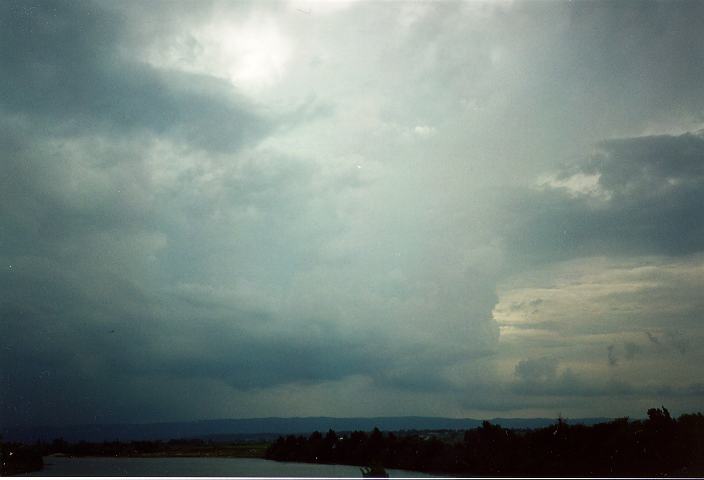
x=660, y=445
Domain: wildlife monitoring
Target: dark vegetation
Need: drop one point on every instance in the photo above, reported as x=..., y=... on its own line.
x=171, y=448
x=17, y=458
x=657, y=446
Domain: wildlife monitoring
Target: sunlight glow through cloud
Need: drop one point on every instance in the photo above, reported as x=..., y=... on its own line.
x=252, y=54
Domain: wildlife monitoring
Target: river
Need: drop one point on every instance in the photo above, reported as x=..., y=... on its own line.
x=196, y=467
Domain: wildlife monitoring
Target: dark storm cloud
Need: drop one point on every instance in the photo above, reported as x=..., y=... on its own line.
x=82, y=217
x=69, y=340
x=76, y=283
x=166, y=242
x=63, y=67
x=619, y=41
x=541, y=376
x=233, y=349
x=646, y=201
x=572, y=385
x=670, y=340
x=563, y=386
x=611, y=356
x=632, y=349
x=652, y=338
x=540, y=369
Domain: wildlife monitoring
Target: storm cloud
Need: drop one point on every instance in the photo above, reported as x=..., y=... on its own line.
x=234, y=210
x=633, y=195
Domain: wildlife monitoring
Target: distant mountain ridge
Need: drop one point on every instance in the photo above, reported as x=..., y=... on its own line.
x=252, y=428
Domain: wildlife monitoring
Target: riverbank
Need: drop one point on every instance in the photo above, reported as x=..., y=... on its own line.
x=248, y=450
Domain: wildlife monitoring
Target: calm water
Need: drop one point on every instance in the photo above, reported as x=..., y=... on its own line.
x=196, y=467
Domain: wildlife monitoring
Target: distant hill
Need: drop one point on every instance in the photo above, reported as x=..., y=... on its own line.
x=264, y=428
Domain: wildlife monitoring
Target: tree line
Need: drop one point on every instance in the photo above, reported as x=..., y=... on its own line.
x=658, y=445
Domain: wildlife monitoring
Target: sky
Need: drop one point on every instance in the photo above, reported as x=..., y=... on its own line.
x=460, y=209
